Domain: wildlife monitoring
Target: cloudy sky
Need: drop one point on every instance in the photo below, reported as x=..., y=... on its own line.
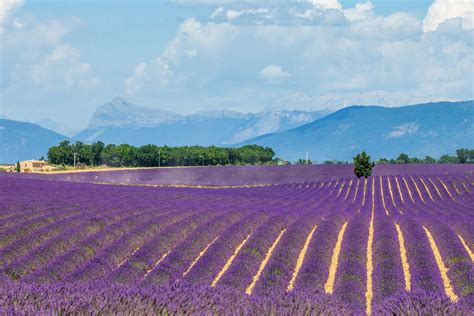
x=62, y=59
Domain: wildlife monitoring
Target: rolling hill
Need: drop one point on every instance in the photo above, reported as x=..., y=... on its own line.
x=418, y=130
x=20, y=141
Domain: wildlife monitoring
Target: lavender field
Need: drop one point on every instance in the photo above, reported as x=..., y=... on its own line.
x=239, y=240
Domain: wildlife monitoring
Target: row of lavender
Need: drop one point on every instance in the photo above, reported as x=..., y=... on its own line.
x=179, y=299
x=248, y=175
x=152, y=237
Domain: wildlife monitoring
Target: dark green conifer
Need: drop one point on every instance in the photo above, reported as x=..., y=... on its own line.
x=362, y=165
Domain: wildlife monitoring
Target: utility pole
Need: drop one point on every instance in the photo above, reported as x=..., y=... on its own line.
x=74, y=160
x=159, y=158
x=306, y=157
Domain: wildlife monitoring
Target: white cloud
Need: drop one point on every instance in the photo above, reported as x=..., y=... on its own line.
x=196, y=3
x=273, y=72
x=360, y=11
x=326, y=4
x=442, y=10
x=7, y=7
x=217, y=12
x=192, y=53
x=233, y=14
x=190, y=41
x=307, y=14
x=62, y=68
x=36, y=54
x=398, y=26
x=156, y=74
x=132, y=83
x=281, y=12
x=18, y=25
x=41, y=74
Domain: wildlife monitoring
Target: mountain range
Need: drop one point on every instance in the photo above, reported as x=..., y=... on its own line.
x=291, y=126
x=329, y=103
x=121, y=122
x=418, y=130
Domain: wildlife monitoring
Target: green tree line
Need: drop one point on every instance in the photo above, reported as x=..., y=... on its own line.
x=463, y=155
x=125, y=155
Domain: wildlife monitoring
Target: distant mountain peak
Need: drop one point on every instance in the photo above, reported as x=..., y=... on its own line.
x=119, y=113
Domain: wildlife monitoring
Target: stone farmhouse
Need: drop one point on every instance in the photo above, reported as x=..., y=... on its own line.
x=34, y=166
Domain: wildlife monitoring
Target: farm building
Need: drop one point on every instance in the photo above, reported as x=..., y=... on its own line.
x=34, y=166
x=7, y=167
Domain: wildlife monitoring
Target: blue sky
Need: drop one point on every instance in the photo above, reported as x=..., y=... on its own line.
x=62, y=59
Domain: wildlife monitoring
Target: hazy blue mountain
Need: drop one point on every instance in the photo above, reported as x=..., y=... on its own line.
x=274, y=121
x=60, y=128
x=195, y=130
x=330, y=103
x=121, y=122
x=426, y=129
x=20, y=141
x=119, y=113
x=57, y=127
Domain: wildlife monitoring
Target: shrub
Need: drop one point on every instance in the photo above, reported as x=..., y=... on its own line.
x=362, y=165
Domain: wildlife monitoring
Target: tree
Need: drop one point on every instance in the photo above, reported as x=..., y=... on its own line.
x=403, y=158
x=447, y=159
x=18, y=168
x=54, y=155
x=109, y=156
x=61, y=154
x=126, y=154
x=429, y=159
x=462, y=155
x=66, y=153
x=415, y=160
x=465, y=155
x=362, y=165
x=96, y=151
x=303, y=162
